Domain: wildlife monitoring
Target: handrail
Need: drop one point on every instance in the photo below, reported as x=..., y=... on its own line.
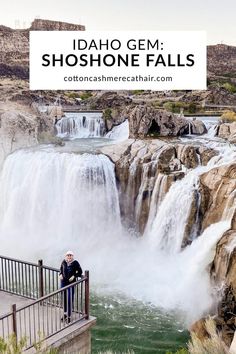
x=27, y=279
x=41, y=318
x=43, y=298
x=19, y=261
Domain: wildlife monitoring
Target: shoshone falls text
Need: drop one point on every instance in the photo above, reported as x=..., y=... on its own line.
x=110, y=59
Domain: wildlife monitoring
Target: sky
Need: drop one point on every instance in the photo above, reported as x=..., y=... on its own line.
x=217, y=18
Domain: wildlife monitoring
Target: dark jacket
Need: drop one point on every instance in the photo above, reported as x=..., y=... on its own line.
x=67, y=271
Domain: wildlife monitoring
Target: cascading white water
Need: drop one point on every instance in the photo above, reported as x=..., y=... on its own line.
x=119, y=132
x=168, y=228
x=81, y=125
x=159, y=191
x=60, y=197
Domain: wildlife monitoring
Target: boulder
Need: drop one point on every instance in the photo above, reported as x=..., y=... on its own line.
x=206, y=154
x=187, y=154
x=145, y=120
x=219, y=184
x=198, y=127
x=228, y=131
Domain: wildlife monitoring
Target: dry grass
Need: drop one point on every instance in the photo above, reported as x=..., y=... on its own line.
x=211, y=345
x=228, y=117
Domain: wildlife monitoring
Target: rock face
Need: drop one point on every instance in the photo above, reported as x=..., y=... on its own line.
x=218, y=193
x=47, y=25
x=228, y=131
x=221, y=59
x=217, y=188
x=145, y=170
x=20, y=128
x=14, y=46
x=145, y=120
x=220, y=96
x=17, y=130
x=14, y=52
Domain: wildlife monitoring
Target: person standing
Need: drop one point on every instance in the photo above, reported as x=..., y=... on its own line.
x=70, y=271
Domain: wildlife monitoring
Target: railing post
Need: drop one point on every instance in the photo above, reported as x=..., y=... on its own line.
x=86, y=294
x=40, y=270
x=14, y=324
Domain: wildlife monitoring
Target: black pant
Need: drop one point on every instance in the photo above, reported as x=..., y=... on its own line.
x=68, y=299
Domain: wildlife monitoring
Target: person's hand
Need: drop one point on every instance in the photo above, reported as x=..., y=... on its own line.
x=61, y=277
x=71, y=278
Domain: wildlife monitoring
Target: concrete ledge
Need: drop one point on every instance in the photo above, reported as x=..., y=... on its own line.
x=77, y=334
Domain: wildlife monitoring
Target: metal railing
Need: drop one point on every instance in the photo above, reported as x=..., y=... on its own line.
x=27, y=279
x=49, y=314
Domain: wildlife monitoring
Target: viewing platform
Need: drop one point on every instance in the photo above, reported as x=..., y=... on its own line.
x=32, y=307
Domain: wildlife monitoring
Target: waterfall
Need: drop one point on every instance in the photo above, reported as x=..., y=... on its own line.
x=119, y=132
x=57, y=198
x=51, y=202
x=159, y=191
x=81, y=125
x=168, y=227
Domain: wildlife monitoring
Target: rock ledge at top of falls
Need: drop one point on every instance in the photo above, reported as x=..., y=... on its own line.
x=130, y=147
x=144, y=119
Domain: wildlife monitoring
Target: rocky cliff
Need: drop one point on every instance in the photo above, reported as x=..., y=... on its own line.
x=218, y=198
x=48, y=25
x=143, y=167
x=14, y=46
x=21, y=127
x=221, y=60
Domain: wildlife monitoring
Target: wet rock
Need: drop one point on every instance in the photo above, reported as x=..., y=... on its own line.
x=225, y=319
x=220, y=184
x=206, y=154
x=228, y=131
x=188, y=156
x=224, y=131
x=166, y=159
x=198, y=127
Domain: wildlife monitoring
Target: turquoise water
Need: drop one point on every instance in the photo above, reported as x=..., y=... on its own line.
x=124, y=324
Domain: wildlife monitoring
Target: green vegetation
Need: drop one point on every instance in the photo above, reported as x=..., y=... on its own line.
x=85, y=95
x=76, y=94
x=107, y=113
x=230, y=87
x=72, y=94
x=137, y=92
x=228, y=117
x=176, y=107
x=12, y=346
x=230, y=75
